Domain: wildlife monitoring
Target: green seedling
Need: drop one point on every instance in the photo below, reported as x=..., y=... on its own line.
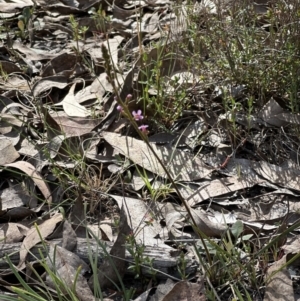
x=23, y=22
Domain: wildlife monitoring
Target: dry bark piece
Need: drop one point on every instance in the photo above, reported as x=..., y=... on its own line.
x=164, y=264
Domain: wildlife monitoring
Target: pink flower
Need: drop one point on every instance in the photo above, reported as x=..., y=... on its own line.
x=119, y=108
x=137, y=115
x=129, y=96
x=143, y=128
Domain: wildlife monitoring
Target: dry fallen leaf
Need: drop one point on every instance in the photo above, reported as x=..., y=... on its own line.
x=186, y=291
x=138, y=213
x=285, y=176
x=181, y=165
x=7, y=7
x=75, y=126
x=279, y=286
x=12, y=232
x=35, y=176
x=66, y=265
x=33, y=236
x=45, y=84
x=60, y=63
x=292, y=246
x=16, y=202
x=70, y=276
x=109, y=273
x=69, y=237
x=8, y=152
x=43, y=116
x=175, y=217
x=181, y=291
x=209, y=228
x=72, y=107
x=220, y=187
x=269, y=112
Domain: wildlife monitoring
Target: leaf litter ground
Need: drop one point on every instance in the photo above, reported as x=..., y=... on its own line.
x=74, y=170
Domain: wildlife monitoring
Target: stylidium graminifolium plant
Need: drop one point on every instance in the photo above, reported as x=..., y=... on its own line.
x=137, y=115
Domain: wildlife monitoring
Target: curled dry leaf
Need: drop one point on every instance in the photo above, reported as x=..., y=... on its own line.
x=30, y=53
x=33, y=236
x=47, y=83
x=35, y=176
x=12, y=232
x=175, y=216
x=9, y=120
x=72, y=107
x=206, y=226
x=7, y=7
